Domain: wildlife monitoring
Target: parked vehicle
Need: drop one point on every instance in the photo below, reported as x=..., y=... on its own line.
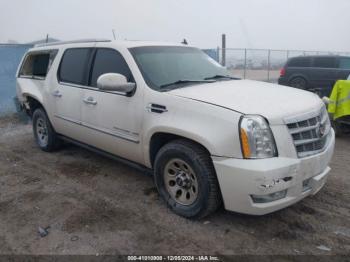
x=169, y=108
x=315, y=73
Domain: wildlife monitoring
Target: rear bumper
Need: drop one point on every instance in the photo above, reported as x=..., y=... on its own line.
x=282, y=81
x=239, y=179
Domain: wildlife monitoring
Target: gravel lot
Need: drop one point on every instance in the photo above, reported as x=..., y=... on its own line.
x=94, y=205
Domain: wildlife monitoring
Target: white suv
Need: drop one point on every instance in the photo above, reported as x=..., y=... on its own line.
x=206, y=136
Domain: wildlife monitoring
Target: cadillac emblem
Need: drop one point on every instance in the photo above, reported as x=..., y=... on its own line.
x=321, y=130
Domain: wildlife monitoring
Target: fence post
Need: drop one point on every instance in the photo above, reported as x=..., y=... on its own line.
x=268, y=64
x=218, y=54
x=223, y=59
x=245, y=63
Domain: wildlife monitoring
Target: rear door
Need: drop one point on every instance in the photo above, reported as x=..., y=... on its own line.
x=72, y=77
x=343, y=68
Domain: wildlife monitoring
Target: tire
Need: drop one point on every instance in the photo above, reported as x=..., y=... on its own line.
x=44, y=134
x=339, y=129
x=298, y=82
x=201, y=195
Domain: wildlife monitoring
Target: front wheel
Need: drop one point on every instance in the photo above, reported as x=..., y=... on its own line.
x=44, y=134
x=185, y=178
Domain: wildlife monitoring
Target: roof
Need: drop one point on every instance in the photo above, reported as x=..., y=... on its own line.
x=313, y=56
x=125, y=43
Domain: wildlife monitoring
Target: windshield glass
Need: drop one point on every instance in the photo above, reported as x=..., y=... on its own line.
x=169, y=67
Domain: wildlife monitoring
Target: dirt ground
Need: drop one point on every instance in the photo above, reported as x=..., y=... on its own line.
x=94, y=205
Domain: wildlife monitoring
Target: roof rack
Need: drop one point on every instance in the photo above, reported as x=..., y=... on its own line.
x=73, y=42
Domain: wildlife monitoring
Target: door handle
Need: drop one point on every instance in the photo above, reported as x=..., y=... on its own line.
x=57, y=94
x=90, y=100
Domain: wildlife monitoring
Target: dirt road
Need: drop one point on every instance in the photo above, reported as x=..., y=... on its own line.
x=94, y=205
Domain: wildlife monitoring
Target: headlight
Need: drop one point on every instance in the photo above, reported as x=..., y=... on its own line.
x=256, y=137
x=325, y=125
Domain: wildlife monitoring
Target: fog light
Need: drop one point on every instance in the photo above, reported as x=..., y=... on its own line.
x=270, y=197
x=307, y=185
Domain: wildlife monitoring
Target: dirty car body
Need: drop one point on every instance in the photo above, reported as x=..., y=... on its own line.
x=263, y=146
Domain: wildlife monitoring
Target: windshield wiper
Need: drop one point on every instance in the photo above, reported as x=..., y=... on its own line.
x=186, y=82
x=221, y=77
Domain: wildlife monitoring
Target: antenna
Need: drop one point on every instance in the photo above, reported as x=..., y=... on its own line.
x=113, y=32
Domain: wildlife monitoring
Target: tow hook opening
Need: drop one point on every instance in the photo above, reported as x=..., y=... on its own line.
x=307, y=185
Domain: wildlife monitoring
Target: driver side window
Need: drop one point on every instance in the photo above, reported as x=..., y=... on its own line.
x=109, y=61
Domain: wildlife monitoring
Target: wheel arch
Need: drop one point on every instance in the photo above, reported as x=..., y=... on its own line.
x=32, y=103
x=160, y=138
x=299, y=76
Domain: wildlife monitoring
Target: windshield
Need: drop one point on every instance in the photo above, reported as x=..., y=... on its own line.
x=169, y=67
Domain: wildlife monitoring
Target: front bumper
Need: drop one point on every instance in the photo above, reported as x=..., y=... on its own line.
x=239, y=179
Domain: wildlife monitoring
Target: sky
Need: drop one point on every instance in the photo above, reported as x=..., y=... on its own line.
x=322, y=25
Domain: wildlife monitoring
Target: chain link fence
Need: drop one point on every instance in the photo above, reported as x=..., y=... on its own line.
x=262, y=64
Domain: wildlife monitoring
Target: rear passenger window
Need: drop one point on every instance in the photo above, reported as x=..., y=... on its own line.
x=74, y=66
x=325, y=62
x=109, y=61
x=344, y=63
x=300, y=62
x=36, y=65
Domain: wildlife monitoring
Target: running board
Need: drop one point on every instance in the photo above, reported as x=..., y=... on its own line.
x=139, y=167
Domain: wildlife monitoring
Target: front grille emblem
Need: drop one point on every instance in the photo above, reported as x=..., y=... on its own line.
x=321, y=130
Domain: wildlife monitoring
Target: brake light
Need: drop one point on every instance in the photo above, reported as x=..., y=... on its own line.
x=283, y=72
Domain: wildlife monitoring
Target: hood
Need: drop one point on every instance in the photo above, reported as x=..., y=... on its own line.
x=272, y=101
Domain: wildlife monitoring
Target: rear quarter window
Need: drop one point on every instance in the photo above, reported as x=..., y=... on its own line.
x=300, y=62
x=37, y=64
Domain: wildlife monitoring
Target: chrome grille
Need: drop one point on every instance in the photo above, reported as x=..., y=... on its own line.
x=310, y=135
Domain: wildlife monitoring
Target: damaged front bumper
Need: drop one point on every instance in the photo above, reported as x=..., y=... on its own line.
x=259, y=187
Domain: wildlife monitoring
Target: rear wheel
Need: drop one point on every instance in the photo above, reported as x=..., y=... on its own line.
x=44, y=134
x=185, y=178
x=298, y=82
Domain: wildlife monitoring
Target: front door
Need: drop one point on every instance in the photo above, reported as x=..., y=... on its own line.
x=112, y=121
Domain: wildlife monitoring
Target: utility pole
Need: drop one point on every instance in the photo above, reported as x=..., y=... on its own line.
x=113, y=32
x=47, y=38
x=223, y=48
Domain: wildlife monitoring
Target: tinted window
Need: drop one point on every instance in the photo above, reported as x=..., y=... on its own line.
x=74, y=65
x=109, y=61
x=344, y=63
x=163, y=65
x=300, y=62
x=325, y=62
x=37, y=64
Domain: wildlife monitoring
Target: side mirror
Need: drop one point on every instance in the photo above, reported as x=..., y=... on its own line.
x=115, y=82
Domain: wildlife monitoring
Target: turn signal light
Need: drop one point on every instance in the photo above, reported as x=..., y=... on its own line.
x=245, y=144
